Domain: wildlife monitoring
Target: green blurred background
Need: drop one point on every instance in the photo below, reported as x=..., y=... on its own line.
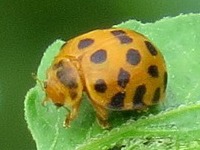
x=27, y=27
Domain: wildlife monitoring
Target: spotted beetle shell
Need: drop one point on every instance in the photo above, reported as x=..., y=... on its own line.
x=119, y=69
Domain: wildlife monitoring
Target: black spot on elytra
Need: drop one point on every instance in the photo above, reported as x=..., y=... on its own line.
x=139, y=95
x=67, y=78
x=156, y=96
x=118, y=32
x=121, y=35
x=153, y=71
x=151, y=48
x=117, y=101
x=123, y=78
x=125, y=39
x=98, y=56
x=100, y=86
x=133, y=57
x=165, y=81
x=85, y=43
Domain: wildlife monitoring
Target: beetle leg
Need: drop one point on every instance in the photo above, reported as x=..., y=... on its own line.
x=102, y=116
x=71, y=115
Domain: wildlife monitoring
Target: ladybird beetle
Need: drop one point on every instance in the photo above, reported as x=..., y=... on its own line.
x=119, y=69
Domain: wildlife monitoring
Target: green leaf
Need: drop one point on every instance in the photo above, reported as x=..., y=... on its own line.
x=172, y=125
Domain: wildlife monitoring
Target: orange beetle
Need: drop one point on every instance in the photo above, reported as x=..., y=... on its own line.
x=119, y=69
